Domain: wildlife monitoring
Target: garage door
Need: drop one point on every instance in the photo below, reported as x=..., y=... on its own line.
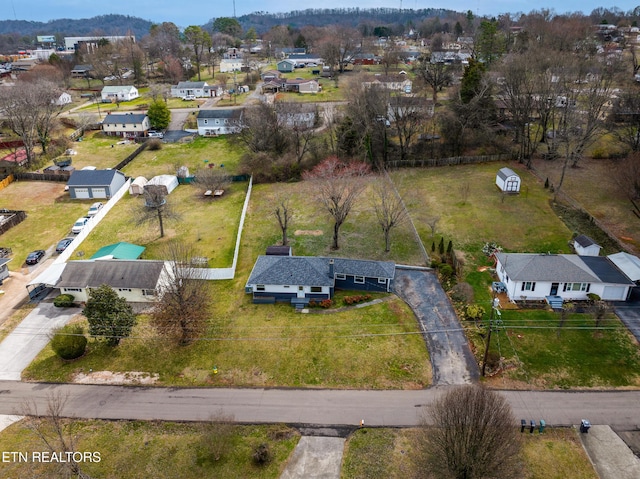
x=614, y=293
x=99, y=192
x=82, y=193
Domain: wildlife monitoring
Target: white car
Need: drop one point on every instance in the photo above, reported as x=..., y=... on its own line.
x=80, y=224
x=189, y=97
x=94, y=208
x=155, y=134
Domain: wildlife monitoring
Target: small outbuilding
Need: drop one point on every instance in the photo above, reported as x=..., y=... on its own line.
x=508, y=180
x=167, y=183
x=137, y=186
x=585, y=246
x=87, y=184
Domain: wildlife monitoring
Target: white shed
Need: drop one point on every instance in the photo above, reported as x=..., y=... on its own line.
x=585, y=246
x=168, y=182
x=137, y=186
x=508, y=181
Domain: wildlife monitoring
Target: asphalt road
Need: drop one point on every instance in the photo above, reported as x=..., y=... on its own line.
x=451, y=358
x=619, y=409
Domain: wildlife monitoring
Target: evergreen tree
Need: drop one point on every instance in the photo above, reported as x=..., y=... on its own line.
x=159, y=115
x=109, y=315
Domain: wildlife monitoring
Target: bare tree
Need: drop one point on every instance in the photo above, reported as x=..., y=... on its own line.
x=337, y=186
x=200, y=41
x=263, y=130
x=299, y=120
x=216, y=436
x=435, y=75
x=469, y=433
x=389, y=208
x=624, y=119
x=155, y=207
x=212, y=179
x=407, y=115
x=433, y=224
x=56, y=433
x=182, y=311
x=283, y=214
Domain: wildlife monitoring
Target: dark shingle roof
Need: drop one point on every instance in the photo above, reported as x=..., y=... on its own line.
x=361, y=267
x=584, y=241
x=229, y=113
x=92, y=177
x=505, y=173
x=605, y=269
x=125, y=118
x=116, y=273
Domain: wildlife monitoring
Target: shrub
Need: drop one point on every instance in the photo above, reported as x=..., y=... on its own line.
x=325, y=303
x=463, y=293
x=360, y=298
x=489, y=248
x=593, y=297
x=262, y=454
x=63, y=301
x=154, y=145
x=69, y=342
x=473, y=312
x=446, y=271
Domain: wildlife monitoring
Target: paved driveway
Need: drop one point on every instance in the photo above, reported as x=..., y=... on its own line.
x=451, y=357
x=27, y=340
x=629, y=312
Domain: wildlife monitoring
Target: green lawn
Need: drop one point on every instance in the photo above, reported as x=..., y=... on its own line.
x=579, y=357
x=100, y=150
x=472, y=211
x=158, y=449
x=387, y=453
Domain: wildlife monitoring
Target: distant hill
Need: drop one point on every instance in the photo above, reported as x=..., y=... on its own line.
x=100, y=25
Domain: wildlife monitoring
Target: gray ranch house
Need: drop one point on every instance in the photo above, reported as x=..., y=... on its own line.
x=299, y=279
x=561, y=277
x=220, y=121
x=128, y=125
x=199, y=89
x=86, y=184
x=137, y=281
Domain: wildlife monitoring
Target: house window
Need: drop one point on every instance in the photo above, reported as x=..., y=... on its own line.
x=577, y=287
x=528, y=286
x=358, y=279
x=300, y=288
x=316, y=289
x=260, y=287
x=341, y=276
x=148, y=292
x=124, y=289
x=382, y=280
x=205, y=121
x=286, y=286
x=77, y=290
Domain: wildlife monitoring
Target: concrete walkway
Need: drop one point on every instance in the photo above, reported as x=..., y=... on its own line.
x=315, y=458
x=29, y=338
x=610, y=456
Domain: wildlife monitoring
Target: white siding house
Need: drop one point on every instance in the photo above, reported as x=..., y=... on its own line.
x=128, y=125
x=138, y=281
x=567, y=276
x=196, y=88
x=231, y=65
x=219, y=121
x=114, y=94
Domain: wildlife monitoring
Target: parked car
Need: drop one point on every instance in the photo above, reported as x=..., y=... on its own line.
x=94, y=208
x=35, y=256
x=188, y=97
x=155, y=134
x=80, y=224
x=62, y=244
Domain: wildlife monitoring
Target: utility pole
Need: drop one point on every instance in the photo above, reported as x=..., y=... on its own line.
x=495, y=302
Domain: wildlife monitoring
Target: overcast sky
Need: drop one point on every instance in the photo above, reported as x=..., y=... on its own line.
x=198, y=12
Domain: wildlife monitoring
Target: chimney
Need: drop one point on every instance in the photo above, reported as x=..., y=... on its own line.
x=331, y=268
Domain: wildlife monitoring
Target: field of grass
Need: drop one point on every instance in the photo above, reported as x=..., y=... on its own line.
x=535, y=355
x=140, y=449
x=50, y=215
x=473, y=211
x=100, y=150
x=386, y=453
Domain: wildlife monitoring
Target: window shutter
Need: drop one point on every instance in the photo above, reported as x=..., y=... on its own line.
x=533, y=286
x=564, y=287
x=522, y=287
x=588, y=287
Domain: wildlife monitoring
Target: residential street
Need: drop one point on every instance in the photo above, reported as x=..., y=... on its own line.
x=618, y=409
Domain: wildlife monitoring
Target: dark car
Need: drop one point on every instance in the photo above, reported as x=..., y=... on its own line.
x=62, y=244
x=35, y=256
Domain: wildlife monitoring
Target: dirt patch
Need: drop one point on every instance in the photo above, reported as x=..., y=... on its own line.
x=109, y=377
x=308, y=233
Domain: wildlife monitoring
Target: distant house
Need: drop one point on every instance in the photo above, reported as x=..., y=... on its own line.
x=286, y=66
x=4, y=269
x=137, y=281
x=196, y=88
x=128, y=125
x=568, y=277
x=81, y=71
x=269, y=75
x=10, y=162
x=365, y=59
x=64, y=99
x=585, y=246
x=231, y=65
x=115, y=94
x=220, y=121
x=299, y=85
x=389, y=82
x=86, y=184
x=299, y=279
x=508, y=181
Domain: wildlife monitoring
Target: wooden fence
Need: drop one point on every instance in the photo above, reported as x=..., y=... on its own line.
x=5, y=182
x=456, y=160
x=60, y=176
x=130, y=158
x=15, y=217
